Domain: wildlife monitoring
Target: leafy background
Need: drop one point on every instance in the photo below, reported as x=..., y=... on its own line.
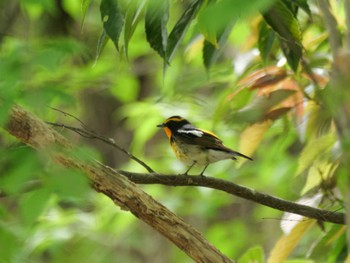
x=251, y=71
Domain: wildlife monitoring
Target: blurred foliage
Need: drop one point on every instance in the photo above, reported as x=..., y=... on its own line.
x=251, y=71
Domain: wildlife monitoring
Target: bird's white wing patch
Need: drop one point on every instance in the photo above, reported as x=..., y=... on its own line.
x=193, y=132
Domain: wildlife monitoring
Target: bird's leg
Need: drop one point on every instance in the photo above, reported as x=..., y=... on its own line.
x=202, y=173
x=194, y=162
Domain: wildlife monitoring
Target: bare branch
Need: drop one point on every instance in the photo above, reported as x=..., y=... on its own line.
x=92, y=135
x=240, y=191
x=72, y=116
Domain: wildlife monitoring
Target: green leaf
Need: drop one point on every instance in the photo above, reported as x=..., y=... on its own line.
x=339, y=253
x=265, y=41
x=328, y=242
x=181, y=27
x=157, y=15
x=132, y=17
x=281, y=19
x=68, y=184
x=10, y=241
x=101, y=43
x=294, y=4
x=84, y=7
x=303, y=5
x=33, y=204
x=211, y=53
x=214, y=18
x=254, y=254
x=14, y=176
x=283, y=22
x=292, y=52
x=112, y=19
x=314, y=149
x=320, y=171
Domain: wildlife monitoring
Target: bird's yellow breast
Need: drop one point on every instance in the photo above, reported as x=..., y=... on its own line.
x=189, y=153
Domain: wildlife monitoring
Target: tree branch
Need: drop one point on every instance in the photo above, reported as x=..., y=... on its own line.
x=34, y=132
x=240, y=191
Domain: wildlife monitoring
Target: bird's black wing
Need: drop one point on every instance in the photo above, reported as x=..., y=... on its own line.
x=191, y=135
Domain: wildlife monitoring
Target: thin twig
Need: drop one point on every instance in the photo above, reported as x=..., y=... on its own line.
x=92, y=135
x=72, y=116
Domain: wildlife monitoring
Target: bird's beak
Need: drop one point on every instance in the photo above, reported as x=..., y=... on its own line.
x=161, y=125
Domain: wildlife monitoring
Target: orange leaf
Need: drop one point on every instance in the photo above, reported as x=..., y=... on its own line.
x=321, y=80
x=276, y=113
x=264, y=77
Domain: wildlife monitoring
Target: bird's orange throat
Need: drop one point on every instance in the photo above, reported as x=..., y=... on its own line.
x=167, y=131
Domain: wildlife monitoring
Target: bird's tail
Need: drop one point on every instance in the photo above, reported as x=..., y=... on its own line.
x=241, y=155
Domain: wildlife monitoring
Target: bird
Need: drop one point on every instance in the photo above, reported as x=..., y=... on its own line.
x=195, y=146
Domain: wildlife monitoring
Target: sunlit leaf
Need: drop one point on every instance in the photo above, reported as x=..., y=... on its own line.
x=112, y=19
x=181, y=26
x=286, y=244
x=319, y=172
x=317, y=120
x=132, y=17
x=252, y=136
x=313, y=150
x=157, y=15
x=254, y=254
x=194, y=48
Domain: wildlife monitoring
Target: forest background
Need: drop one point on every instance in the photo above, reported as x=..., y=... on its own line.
x=269, y=77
